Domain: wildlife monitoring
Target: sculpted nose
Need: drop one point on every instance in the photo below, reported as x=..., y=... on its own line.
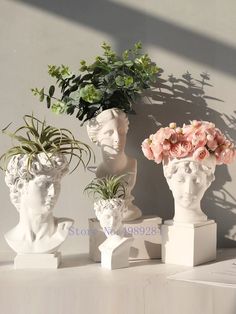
x=111, y=220
x=51, y=190
x=189, y=187
x=116, y=136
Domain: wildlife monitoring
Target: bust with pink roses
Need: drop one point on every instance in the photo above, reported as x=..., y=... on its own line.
x=189, y=155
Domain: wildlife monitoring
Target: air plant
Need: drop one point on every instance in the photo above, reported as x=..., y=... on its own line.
x=36, y=137
x=107, y=188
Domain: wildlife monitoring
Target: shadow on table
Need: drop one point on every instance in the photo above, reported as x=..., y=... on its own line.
x=75, y=260
x=144, y=262
x=6, y=263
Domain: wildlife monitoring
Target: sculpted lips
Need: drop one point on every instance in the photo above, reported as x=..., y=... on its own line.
x=189, y=197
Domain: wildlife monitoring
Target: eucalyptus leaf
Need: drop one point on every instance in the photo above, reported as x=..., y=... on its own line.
x=51, y=90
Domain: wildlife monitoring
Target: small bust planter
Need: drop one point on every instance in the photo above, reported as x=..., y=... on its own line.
x=189, y=156
x=109, y=210
x=110, y=213
x=34, y=170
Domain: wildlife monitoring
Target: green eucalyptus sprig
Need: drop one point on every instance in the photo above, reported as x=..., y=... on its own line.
x=107, y=188
x=36, y=137
x=111, y=81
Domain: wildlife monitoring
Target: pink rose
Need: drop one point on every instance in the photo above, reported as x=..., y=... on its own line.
x=147, y=151
x=201, y=153
x=226, y=156
x=196, y=123
x=188, y=131
x=199, y=138
x=163, y=134
x=181, y=149
x=166, y=145
x=212, y=145
x=158, y=158
x=157, y=152
x=219, y=137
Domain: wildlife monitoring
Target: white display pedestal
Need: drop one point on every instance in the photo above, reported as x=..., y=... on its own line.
x=188, y=244
x=37, y=261
x=115, y=254
x=146, y=232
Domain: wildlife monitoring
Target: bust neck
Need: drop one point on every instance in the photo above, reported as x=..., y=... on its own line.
x=189, y=214
x=36, y=222
x=114, y=163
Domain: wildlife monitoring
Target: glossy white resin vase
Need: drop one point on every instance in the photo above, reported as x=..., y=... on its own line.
x=34, y=194
x=188, y=180
x=116, y=248
x=108, y=130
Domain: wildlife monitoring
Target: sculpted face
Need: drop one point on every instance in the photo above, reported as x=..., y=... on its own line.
x=40, y=194
x=188, y=184
x=110, y=220
x=188, y=188
x=112, y=136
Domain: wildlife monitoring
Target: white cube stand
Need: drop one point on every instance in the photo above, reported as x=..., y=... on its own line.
x=37, y=261
x=146, y=232
x=188, y=244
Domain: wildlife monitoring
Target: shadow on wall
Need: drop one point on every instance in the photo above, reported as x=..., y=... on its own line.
x=183, y=98
x=127, y=25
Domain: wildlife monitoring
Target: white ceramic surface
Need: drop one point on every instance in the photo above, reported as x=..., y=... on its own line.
x=188, y=180
x=108, y=130
x=34, y=194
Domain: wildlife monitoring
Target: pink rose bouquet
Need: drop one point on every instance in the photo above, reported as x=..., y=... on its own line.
x=199, y=140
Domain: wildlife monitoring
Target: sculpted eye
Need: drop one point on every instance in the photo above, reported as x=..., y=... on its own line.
x=108, y=133
x=180, y=179
x=20, y=185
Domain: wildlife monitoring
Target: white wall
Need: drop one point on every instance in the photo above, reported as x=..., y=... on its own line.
x=184, y=35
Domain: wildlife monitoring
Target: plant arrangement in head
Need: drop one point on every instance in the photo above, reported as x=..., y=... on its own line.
x=189, y=155
x=35, y=139
x=34, y=168
x=109, y=206
x=111, y=81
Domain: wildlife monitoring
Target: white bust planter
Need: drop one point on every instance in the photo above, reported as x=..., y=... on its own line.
x=116, y=248
x=188, y=180
x=108, y=130
x=34, y=194
x=190, y=238
x=189, y=155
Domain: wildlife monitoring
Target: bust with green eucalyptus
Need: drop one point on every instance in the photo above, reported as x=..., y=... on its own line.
x=111, y=81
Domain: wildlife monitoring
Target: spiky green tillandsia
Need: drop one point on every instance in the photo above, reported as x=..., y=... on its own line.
x=107, y=188
x=36, y=137
x=111, y=81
